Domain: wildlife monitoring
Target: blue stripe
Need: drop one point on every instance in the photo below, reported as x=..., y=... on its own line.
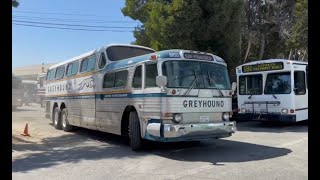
x=103, y=96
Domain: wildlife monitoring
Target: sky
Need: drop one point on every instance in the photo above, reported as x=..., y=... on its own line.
x=35, y=45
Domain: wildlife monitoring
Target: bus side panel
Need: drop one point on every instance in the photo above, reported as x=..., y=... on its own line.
x=109, y=113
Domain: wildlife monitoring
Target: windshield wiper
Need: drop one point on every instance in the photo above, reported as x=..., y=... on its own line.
x=211, y=82
x=193, y=83
x=274, y=95
x=250, y=96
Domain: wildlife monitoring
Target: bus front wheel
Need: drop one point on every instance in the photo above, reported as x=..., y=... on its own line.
x=134, y=131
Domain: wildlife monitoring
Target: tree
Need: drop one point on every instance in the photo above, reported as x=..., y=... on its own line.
x=203, y=25
x=15, y=3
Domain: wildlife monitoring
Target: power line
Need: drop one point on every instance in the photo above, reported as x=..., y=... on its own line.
x=67, y=14
x=69, y=20
x=74, y=25
x=51, y=27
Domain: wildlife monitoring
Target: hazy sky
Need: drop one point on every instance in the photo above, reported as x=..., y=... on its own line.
x=33, y=45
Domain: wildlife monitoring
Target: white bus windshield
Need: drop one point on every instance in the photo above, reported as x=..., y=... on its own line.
x=278, y=83
x=250, y=84
x=203, y=75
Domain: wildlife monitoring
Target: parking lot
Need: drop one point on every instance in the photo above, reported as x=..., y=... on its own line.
x=255, y=151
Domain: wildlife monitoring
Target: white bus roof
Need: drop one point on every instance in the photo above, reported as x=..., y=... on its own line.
x=94, y=51
x=273, y=60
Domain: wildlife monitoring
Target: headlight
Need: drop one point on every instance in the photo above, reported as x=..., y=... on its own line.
x=243, y=110
x=284, y=111
x=177, y=118
x=225, y=116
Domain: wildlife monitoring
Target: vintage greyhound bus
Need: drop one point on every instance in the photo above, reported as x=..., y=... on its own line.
x=167, y=96
x=273, y=90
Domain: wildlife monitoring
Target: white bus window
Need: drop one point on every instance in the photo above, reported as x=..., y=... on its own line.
x=60, y=72
x=121, y=79
x=151, y=74
x=278, y=83
x=307, y=76
x=137, y=78
x=250, y=84
x=102, y=61
x=299, y=83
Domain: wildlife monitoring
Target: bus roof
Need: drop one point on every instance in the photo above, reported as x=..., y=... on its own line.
x=273, y=60
x=172, y=53
x=93, y=52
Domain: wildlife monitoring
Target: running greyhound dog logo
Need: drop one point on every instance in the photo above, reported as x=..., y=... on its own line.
x=88, y=82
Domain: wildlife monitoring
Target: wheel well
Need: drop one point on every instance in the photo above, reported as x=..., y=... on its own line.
x=125, y=120
x=62, y=106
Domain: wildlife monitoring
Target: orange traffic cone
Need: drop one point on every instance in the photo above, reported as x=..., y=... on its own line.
x=25, y=132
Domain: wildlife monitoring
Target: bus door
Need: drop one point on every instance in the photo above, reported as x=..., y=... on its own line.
x=300, y=92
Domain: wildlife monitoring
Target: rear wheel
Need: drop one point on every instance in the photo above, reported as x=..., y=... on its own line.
x=134, y=131
x=57, y=118
x=65, y=123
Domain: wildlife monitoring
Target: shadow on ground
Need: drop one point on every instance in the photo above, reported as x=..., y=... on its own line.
x=92, y=145
x=272, y=127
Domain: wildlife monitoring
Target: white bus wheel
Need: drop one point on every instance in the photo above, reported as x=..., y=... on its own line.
x=57, y=118
x=134, y=131
x=65, y=123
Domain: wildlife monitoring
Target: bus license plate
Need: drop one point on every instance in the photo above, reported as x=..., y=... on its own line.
x=204, y=118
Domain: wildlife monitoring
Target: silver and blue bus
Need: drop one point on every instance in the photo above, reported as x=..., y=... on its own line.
x=133, y=91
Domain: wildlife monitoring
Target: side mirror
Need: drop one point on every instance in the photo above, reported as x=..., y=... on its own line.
x=161, y=81
x=234, y=87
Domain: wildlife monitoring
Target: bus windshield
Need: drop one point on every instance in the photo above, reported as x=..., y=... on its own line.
x=278, y=83
x=201, y=75
x=250, y=84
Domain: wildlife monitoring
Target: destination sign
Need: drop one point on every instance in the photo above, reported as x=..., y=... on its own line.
x=198, y=56
x=262, y=67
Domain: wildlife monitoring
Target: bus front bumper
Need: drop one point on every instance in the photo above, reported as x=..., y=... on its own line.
x=267, y=117
x=189, y=132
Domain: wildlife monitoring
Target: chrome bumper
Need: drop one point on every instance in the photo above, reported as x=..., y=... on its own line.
x=218, y=129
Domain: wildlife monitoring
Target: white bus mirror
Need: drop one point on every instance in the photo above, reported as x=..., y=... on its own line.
x=161, y=81
x=234, y=87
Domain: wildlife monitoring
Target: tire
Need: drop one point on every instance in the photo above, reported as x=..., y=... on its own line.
x=134, y=131
x=57, y=118
x=64, y=121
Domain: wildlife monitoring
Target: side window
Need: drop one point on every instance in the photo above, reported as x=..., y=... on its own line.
x=60, y=72
x=299, y=83
x=151, y=74
x=91, y=63
x=84, y=65
x=137, y=78
x=102, y=61
x=69, y=69
x=307, y=76
x=75, y=67
x=88, y=64
x=121, y=79
x=108, y=80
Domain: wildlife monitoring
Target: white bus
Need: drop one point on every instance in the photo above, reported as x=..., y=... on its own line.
x=273, y=90
x=167, y=96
